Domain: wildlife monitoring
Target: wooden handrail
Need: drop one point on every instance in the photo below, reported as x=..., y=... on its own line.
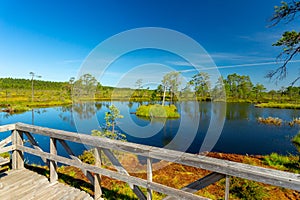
x=218, y=166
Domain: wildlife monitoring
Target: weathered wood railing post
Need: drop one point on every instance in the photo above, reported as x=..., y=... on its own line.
x=17, y=155
x=149, y=178
x=52, y=163
x=97, y=177
x=227, y=185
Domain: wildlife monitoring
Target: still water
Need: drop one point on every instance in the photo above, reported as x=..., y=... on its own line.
x=240, y=134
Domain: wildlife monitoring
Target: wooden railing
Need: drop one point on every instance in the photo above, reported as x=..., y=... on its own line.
x=220, y=168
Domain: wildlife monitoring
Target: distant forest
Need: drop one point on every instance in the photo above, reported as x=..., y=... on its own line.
x=238, y=88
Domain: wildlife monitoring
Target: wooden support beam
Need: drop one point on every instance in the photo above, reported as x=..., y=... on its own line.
x=8, y=127
x=116, y=175
x=227, y=186
x=17, y=155
x=122, y=170
x=53, y=163
x=97, y=176
x=72, y=155
x=3, y=161
x=149, y=178
x=5, y=141
x=34, y=144
x=200, y=184
x=7, y=149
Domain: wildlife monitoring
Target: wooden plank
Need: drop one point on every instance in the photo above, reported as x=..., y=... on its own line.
x=203, y=182
x=17, y=155
x=200, y=184
x=53, y=164
x=115, y=175
x=117, y=165
x=13, y=186
x=4, y=161
x=227, y=186
x=28, y=188
x=43, y=190
x=5, y=141
x=59, y=192
x=7, y=149
x=268, y=176
x=38, y=186
x=8, y=127
x=122, y=170
x=34, y=144
x=72, y=155
x=31, y=194
x=149, y=178
x=97, y=176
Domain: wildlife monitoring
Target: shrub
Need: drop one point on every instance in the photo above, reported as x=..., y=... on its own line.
x=157, y=111
x=287, y=163
x=245, y=189
x=296, y=139
x=87, y=157
x=109, y=134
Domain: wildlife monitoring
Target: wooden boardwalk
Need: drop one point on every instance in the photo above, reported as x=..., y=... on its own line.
x=25, y=184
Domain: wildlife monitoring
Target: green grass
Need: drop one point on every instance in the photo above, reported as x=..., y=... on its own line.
x=157, y=111
x=285, y=163
x=296, y=139
x=296, y=142
x=278, y=105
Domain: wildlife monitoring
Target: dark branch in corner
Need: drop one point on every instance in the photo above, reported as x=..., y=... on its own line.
x=281, y=71
x=287, y=11
x=290, y=39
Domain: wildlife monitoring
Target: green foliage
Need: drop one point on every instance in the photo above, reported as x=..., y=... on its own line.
x=201, y=84
x=286, y=163
x=238, y=88
x=247, y=190
x=296, y=139
x=16, y=83
x=111, y=117
x=109, y=134
x=171, y=82
x=87, y=157
x=278, y=105
x=157, y=111
x=85, y=87
x=111, y=120
x=5, y=155
x=296, y=142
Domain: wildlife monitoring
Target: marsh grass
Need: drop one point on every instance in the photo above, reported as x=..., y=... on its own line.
x=278, y=105
x=157, y=111
x=270, y=120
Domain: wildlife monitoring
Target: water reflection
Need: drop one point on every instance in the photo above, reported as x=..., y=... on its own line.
x=241, y=132
x=237, y=111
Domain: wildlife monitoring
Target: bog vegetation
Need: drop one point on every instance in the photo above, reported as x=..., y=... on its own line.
x=18, y=94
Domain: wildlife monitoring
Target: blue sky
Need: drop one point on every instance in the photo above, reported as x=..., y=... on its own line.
x=52, y=38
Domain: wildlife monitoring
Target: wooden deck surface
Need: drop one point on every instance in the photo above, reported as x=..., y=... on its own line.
x=25, y=184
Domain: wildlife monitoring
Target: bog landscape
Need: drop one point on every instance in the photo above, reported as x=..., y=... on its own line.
x=174, y=130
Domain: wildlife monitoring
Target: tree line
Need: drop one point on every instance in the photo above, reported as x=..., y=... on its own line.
x=234, y=87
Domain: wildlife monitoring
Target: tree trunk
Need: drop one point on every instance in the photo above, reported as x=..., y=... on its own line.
x=164, y=96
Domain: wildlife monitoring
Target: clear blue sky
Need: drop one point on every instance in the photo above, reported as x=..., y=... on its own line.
x=52, y=38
